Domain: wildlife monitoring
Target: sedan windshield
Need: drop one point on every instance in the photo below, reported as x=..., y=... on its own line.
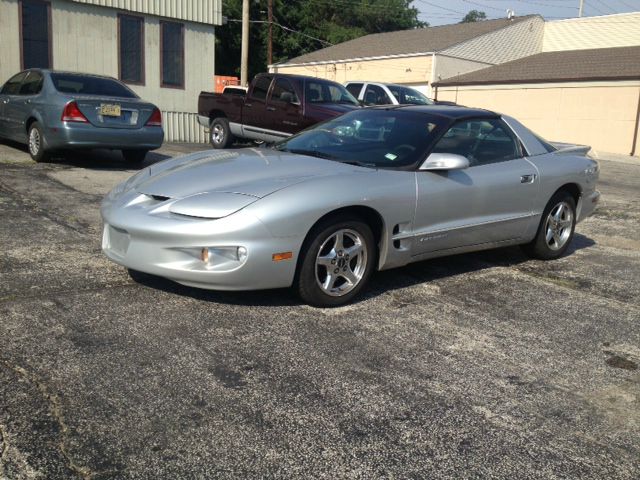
x=386, y=138
x=406, y=95
x=90, y=85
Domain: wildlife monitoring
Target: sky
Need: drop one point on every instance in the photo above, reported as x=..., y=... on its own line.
x=438, y=12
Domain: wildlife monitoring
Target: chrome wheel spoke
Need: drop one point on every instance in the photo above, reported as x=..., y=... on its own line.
x=339, y=244
x=549, y=235
x=328, y=260
x=329, y=281
x=354, y=251
x=350, y=276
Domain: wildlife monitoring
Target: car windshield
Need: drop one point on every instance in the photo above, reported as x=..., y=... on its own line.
x=317, y=91
x=90, y=85
x=385, y=138
x=406, y=95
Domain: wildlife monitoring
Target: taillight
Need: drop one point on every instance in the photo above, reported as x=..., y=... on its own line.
x=72, y=113
x=155, y=120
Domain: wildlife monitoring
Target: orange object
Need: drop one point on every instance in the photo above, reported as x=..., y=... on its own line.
x=222, y=81
x=277, y=257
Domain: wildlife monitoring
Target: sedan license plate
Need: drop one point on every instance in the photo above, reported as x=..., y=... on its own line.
x=109, y=110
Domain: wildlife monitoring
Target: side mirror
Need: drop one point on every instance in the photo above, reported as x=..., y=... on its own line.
x=444, y=161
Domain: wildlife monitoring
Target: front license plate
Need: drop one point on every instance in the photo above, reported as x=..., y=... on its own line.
x=109, y=110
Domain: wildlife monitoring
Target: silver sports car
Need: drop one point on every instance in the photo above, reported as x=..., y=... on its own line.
x=376, y=188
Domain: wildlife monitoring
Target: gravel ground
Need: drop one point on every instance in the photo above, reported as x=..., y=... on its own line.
x=486, y=365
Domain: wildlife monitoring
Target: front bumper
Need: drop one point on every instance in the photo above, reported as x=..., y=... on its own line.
x=141, y=235
x=81, y=135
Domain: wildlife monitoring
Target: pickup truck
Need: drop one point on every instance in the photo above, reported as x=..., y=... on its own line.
x=276, y=106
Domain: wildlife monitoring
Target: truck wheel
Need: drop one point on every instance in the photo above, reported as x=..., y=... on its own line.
x=220, y=134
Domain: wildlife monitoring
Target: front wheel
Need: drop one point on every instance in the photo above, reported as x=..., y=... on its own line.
x=556, y=228
x=36, y=143
x=220, y=133
x=338, y=259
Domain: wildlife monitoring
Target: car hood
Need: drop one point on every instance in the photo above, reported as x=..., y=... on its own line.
x=256, y=172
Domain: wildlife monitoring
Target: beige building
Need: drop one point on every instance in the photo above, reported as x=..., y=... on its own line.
x=568, y=92
x=164, y=50
x=420, y=57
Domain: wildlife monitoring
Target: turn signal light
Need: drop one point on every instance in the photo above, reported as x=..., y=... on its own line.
x=155, y=120
x=278, y=257
x=72, y=113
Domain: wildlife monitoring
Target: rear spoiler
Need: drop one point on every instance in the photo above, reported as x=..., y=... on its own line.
x=570, y=148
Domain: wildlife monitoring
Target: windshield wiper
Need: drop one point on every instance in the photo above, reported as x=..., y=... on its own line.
x=310, y=153
x=358, y=163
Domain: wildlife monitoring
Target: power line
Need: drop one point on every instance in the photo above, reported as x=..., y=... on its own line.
x=284, y=28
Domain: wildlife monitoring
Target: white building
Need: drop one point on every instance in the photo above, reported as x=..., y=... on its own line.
x=164, y=50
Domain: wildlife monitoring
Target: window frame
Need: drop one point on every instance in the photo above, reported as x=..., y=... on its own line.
x=47, y=3
x=267, y=93
x=291, y=87
x=162, y=84
x=24, y=73
x=40, y=80
x=520, y=153
x=143, y=75
x=373, y=86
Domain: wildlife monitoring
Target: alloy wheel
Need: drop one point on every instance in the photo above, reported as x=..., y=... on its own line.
x=217, y=133
x=341, y=262
x=558, y=226
x=34, y=142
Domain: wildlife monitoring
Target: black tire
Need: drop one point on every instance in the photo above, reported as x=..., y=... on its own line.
x=220, y=135
x=309, y=274
x=35, y=143
x=544, y=248
x=134, y=156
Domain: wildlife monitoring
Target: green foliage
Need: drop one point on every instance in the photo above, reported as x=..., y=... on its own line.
x=474, y=16
x=334, y=21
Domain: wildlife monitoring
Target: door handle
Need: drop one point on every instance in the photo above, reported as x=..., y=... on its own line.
x=271, y=109
x=528, y=178
x=247, y=105
x=26, y=102
x=5, y=101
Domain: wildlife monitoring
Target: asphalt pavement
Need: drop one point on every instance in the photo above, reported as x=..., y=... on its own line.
x=487, y=365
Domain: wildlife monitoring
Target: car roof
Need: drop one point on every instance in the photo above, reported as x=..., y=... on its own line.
x=448, y=111
x=66, y=72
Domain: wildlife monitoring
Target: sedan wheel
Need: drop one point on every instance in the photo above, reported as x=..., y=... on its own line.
x=36, y=143
x=337, y=262
x=555, y=231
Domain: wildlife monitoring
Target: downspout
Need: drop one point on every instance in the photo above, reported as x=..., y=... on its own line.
x=433, y=72
x=635, y=130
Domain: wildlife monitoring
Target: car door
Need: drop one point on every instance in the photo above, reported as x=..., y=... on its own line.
x=22, y=106
x=8, y=95
x=491, y=201
x=375, y=95
x=284, y=107
x=255, y=117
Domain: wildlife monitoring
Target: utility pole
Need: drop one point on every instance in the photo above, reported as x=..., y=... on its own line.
x=244, y=60
x=270, y=42
x=581, y=6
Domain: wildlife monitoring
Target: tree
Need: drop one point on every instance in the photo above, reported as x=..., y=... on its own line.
x=474, y=16
x=333, y=21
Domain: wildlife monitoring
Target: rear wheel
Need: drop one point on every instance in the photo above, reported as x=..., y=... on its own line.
x=134, y=156
x=220, y=134
x=556, y=228
x=36, y=143
x=338, y=259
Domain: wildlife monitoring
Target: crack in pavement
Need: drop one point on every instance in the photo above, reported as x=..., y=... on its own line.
x=55, y=407
x=33, y=206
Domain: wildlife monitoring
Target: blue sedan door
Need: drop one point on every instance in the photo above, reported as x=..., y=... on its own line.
x=487, y=203
x=8, y=95
x=21, y=106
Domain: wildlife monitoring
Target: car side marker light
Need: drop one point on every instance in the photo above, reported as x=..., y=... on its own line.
x=278, y=257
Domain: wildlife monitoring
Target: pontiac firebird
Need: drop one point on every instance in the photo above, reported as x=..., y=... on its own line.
x=376, y=188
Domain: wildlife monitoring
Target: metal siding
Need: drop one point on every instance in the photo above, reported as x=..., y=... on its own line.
x=519, y=40
x=202, y=11
x=10, y=39
x=621, y=30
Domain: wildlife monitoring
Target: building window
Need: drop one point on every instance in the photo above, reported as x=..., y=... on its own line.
x=35, y=34
x=131, y=49
x=172, y=54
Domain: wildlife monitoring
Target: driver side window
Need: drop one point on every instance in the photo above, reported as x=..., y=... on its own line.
x=480, y=141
